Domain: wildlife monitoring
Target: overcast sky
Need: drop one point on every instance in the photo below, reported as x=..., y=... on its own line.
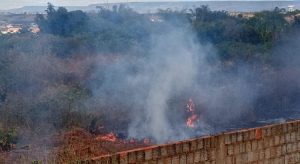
x=9, y=4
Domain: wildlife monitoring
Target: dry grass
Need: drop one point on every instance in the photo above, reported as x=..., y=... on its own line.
x=70, y=147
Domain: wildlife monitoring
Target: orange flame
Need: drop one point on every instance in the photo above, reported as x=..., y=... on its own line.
x=190, y=107
x=111, y=137
x=190, y=121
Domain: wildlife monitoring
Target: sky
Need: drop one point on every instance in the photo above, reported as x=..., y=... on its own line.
x=9, y=4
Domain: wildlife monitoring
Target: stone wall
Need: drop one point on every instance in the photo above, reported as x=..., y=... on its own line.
x=273, y=144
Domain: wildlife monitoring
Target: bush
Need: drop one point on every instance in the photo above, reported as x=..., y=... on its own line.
x=7, y=139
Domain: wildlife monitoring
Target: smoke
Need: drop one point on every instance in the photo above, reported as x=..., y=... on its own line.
x=283, y=80
x=147, y=82
x=176, y=68
x=143, y=92
x=38, y=91
x=172, y=69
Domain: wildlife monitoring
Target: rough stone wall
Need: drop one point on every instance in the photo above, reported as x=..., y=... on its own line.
x=273, y=144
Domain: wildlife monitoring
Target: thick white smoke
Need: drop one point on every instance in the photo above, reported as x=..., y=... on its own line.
x=175, y=66
x=172, y=68
x=145, y=84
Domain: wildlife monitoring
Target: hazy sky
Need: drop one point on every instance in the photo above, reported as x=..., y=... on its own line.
x=8, y=4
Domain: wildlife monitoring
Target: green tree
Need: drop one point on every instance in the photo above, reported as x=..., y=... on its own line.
x=61, y=22
x=269, y=25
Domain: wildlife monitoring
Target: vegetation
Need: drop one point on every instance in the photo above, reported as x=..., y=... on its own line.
x=120, y=30
x=61, y=22
x=7, y=139
x=42, y=90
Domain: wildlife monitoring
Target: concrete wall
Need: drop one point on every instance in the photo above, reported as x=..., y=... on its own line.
x=274, y=144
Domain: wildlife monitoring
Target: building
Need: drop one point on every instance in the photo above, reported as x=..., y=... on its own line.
x=10, y=29
x=291, y=8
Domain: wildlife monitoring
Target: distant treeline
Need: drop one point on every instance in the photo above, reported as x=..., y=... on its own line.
x=121, y=29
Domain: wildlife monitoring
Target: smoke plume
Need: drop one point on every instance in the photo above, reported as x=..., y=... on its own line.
x=175, y=68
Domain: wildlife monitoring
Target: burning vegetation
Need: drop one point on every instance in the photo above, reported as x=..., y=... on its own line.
x=115, y=80
x=111, y=137
x=190, y=107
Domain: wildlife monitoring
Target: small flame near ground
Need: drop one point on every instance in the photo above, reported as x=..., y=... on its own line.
x=190, y=107
x=190, y=123
x=111, y=137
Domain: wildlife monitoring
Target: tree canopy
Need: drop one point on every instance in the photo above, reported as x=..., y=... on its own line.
x=61, y=22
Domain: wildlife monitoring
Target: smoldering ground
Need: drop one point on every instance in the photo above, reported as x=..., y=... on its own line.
x=153, y=88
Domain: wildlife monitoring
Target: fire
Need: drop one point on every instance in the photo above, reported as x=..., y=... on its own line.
x=190, y=121
x=190, y=107
x=111, y=137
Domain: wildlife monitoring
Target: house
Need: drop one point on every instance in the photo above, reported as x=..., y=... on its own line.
x=10, y=29
x=291, y=8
